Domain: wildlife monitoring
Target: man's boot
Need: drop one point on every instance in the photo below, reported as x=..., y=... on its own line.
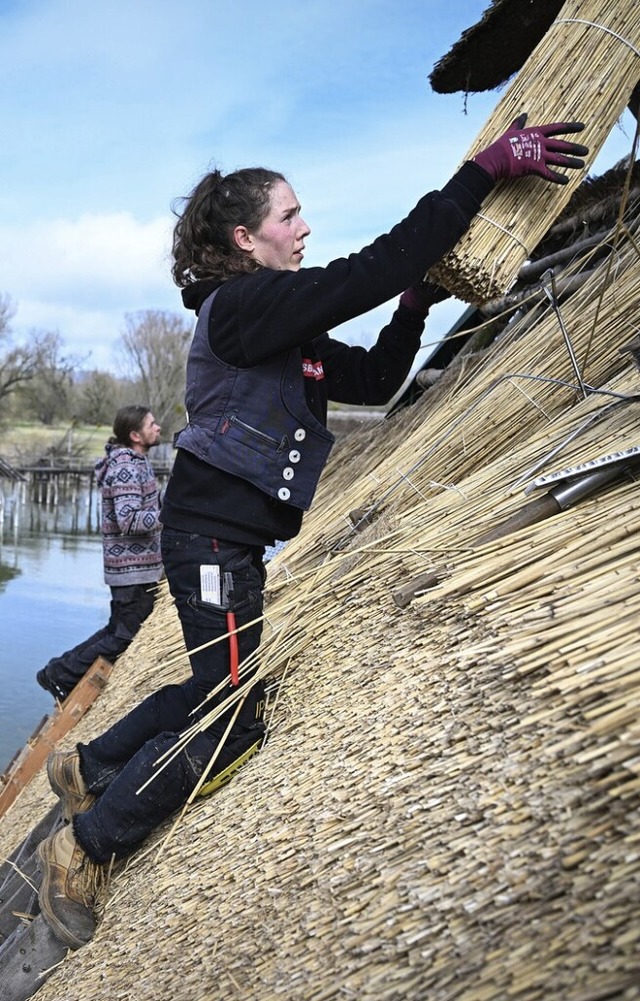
x=59, y=692
x=71, y=882
x=63, y=771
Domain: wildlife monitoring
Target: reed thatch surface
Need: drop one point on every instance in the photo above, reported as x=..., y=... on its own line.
x=448, y=804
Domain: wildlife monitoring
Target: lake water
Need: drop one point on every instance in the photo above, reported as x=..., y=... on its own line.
x=52, y=596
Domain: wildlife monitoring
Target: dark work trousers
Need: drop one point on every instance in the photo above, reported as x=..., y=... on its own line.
x=130, y=606
x=117, y=764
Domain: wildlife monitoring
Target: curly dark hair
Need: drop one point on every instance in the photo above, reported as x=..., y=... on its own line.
x=203, y=246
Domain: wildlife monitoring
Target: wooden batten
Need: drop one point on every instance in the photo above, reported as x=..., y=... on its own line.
x=51, y=729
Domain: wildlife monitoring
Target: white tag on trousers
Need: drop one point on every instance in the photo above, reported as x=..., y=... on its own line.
x=210, y=584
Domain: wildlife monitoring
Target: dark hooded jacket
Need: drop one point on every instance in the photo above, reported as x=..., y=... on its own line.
x=258, y=316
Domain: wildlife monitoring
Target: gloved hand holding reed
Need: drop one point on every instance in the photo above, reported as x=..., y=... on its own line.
x=522, y=151
x=582, y=71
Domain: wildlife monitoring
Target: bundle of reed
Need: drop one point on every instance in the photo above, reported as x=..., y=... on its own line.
x=584, y=69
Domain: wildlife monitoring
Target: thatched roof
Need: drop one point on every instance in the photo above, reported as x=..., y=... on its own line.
x=448, y=803
x=496, y=47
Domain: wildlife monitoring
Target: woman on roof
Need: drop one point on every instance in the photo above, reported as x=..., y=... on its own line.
x=260, y=372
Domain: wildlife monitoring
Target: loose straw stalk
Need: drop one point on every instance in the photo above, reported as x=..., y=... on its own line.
x=584, y=69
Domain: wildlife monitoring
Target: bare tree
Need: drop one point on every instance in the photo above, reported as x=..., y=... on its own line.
x=46, y=395
x=7, y=312
x=18, y=363
x=155, y=345
x=98, y=397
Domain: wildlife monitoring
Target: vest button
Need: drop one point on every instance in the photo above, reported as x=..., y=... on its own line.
x=287, y=473
x=300, y=434
x=294, y=456
x=284, y=494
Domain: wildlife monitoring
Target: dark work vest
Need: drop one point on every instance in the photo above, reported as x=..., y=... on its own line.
x=254, y=422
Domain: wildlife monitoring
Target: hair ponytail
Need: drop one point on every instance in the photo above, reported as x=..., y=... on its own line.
x=203, y=244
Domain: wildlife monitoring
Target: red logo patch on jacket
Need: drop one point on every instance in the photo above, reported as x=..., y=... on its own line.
x=312, y=369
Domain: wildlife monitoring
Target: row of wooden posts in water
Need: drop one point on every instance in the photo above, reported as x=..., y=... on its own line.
x=41, y=498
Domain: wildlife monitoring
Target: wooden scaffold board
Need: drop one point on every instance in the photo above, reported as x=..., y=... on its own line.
x=28, y=761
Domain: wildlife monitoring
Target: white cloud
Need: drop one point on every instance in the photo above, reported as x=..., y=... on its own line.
x=89, y=336
x=81, y=276
x=85, y=258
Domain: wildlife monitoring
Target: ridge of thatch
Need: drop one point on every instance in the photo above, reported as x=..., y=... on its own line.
x=448, y=803
x=496, y=47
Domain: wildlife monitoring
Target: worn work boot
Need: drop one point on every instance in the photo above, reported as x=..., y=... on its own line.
x=71, y=882
x=63, y=771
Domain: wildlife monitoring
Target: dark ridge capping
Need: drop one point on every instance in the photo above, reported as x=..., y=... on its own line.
x=495, y=48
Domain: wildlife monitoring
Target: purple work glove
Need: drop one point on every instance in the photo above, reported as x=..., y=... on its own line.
x=530, y=151
x=421, y=296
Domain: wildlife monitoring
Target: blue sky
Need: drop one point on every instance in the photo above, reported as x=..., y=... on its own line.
x=110, y=111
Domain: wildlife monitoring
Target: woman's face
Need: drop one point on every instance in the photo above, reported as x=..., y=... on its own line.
x=279, y=241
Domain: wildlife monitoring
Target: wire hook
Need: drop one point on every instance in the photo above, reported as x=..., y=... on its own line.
x=551, y=295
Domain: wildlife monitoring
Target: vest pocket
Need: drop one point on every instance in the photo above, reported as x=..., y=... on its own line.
x=278, y=443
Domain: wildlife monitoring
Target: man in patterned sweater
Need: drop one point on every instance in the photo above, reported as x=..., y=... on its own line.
x=131, y=547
